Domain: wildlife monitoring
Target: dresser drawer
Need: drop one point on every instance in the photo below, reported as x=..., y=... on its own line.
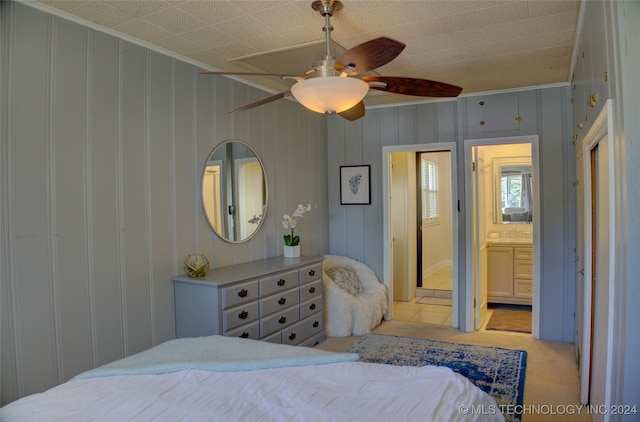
x=277, y=302
x=241, y=315
x=522, y=289
x=311, y=290
x=310, y=273
x=278, y=283
x=255, y=300
x=310, y=307
x=279, y=320
x=239, y=293
x=251, y=331
x=523, y=268
x=522, y=253
x=302, y=330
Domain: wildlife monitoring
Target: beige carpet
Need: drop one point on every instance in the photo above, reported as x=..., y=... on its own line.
x=510, y=320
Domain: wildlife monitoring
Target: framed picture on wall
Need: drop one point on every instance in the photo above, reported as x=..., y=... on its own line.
x=355, y=188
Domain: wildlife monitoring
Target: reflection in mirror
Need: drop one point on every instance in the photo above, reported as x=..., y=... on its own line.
x=513, y=190
x=234, y=191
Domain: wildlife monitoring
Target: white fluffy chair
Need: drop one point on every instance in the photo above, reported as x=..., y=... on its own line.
x=346, y=314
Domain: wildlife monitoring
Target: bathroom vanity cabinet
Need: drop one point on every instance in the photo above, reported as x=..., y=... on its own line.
x=277, y=300
x=509, y=273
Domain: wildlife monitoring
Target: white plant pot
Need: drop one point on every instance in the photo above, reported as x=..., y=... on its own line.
x=291, y=251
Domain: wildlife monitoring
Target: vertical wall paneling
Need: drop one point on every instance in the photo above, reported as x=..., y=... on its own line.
x=36, y=343
x=134, y=115
x=159, y=172
x=186, y=188
x=8, y=320
x=103, y=143
x=69, y=211
x=88, y=220
x=555, y=182
x=104, y=162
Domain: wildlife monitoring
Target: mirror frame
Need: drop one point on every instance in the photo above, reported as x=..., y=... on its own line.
x=497, y=164
x=266, y=190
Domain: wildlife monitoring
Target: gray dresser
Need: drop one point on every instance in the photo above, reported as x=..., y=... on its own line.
x=276, y=299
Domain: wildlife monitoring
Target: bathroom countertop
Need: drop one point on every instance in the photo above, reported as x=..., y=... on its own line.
x=512, y=242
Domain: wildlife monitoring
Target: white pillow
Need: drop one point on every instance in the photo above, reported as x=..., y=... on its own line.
x=346, y=278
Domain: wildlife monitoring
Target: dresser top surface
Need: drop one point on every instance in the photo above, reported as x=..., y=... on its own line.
x=250, y=270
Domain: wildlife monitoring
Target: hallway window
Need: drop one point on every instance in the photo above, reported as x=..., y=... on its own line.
x=429, y=185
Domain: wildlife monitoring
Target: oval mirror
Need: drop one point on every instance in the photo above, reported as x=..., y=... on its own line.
x=234, y=191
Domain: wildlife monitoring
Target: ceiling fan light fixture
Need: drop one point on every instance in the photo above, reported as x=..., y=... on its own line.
x=330, y=94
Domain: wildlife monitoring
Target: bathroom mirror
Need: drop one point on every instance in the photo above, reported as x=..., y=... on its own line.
x=513, y=199
x=234, y=191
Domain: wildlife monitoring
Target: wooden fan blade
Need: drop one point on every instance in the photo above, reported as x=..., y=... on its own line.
x=354, y=113
x=369, y=55
x=263, y=101
x=212, y=72
x=412, y=86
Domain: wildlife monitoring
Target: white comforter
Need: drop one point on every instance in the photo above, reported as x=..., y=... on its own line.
x=346, y=391
x=221, y=378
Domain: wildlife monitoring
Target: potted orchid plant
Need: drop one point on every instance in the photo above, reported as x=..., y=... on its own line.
x=291, y=241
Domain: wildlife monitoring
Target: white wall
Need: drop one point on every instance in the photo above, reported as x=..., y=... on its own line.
x=102, y=146
x=436, y=241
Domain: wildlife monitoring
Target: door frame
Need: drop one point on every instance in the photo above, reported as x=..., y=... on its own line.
x=602, y=127
x=535, y=165
x=387, y=241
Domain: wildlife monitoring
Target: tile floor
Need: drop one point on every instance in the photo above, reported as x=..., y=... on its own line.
x=437, y=284
x=439, y=280
x=413, y=311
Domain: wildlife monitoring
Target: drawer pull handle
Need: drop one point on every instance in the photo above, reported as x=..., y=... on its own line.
x=315, y=324
x=282, y=320
x=243, y=293
x=243, y=315
x=281, y=282
x=312, y=290
x=282, y=301
x=244, y=334
x=312, y=306
x=292, y=336
x=312, y=273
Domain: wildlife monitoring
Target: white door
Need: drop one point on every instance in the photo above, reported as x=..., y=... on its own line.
x=400, y=227
x=599, y=253
x=579, y=256
x=479, y=244
x=600, y=279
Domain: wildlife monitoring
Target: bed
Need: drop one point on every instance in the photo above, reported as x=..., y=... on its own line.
x=231, y=379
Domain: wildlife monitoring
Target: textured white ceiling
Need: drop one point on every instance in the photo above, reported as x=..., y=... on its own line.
x=478, y=45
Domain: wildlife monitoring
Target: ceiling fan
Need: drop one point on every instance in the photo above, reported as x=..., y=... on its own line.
x=332, y=86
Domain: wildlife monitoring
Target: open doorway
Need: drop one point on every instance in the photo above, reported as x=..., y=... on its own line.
x=502, y=208
x=420, y=231
x=434, y=281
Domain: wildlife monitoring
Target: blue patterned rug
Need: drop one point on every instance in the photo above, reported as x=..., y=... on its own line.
x=498, y=372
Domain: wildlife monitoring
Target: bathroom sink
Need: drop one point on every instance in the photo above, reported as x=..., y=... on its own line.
x=520, y=238
x=510, y=241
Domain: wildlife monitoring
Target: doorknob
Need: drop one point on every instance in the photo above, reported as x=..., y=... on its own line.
x=581, y=271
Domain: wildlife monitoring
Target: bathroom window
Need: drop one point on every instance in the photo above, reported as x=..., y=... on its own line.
x=430, y=188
